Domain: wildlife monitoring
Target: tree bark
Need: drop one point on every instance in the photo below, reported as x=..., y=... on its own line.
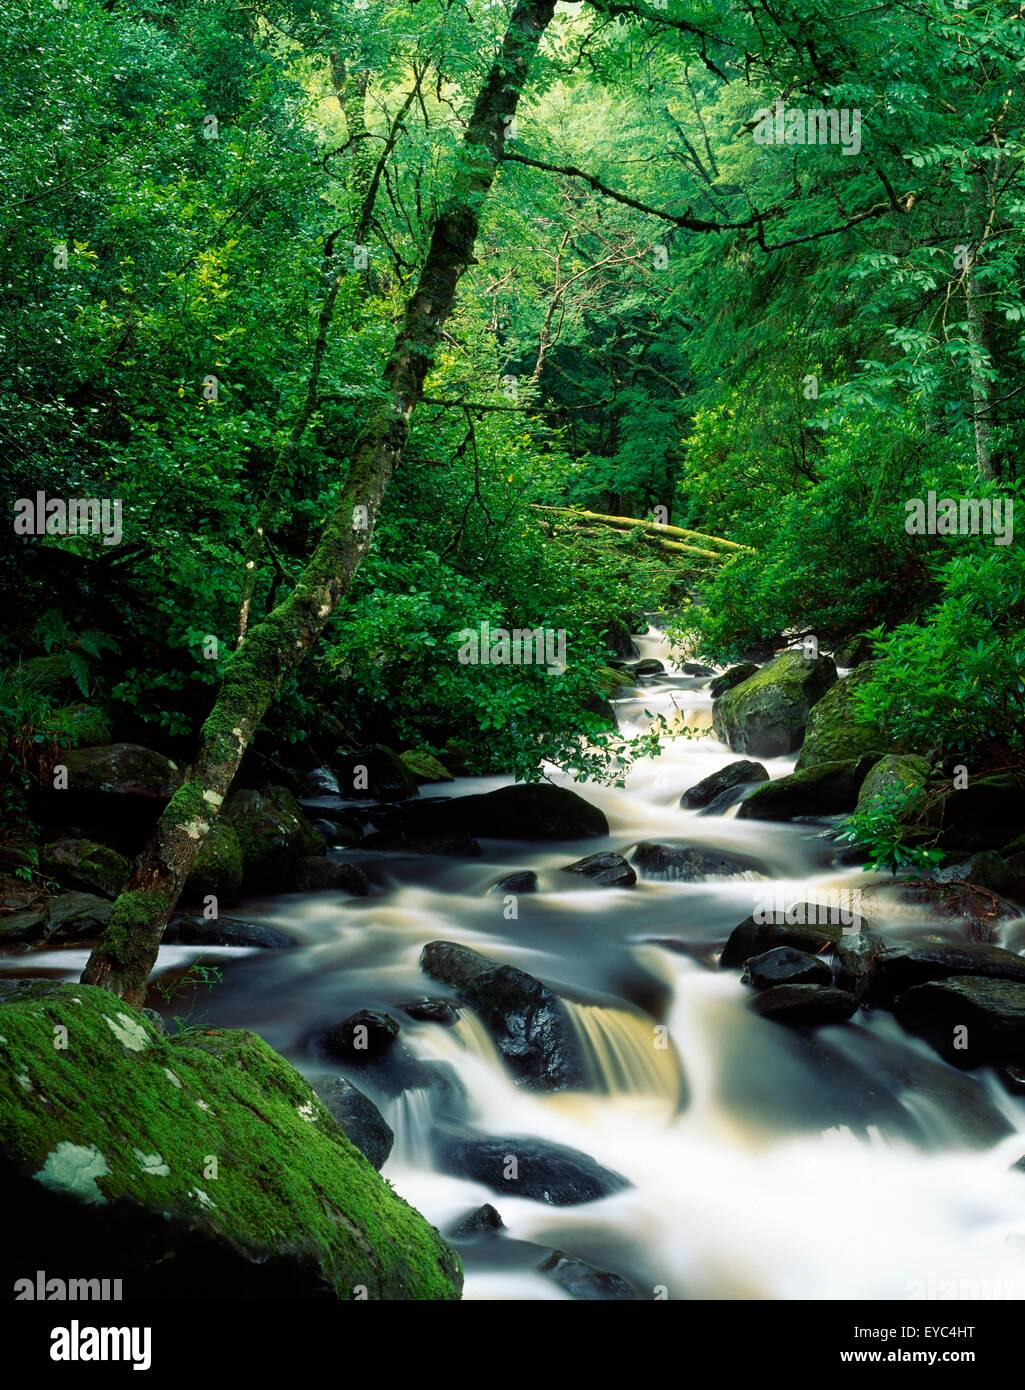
x=653, y=528
x=275, y=646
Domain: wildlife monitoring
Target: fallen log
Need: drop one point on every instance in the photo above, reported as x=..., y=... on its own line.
x=657, y=528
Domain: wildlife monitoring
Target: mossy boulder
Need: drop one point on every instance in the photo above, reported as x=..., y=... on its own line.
x=273, y=835
x=824, y=790
x=114, y=792
x=374, y=773
x=424, y=766
x=613, y=682
x=835, y=733
x=767, y=713
x=85, y=865
x=201, y=1165
x=217, y=869
x=732, y=676
x=893, y=770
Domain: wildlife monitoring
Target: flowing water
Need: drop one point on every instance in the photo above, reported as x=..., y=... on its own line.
x=849, y=1164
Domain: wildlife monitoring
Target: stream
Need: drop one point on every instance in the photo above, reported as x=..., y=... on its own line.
x=847, y=1163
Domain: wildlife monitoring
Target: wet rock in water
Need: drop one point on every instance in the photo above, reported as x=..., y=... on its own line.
x=484, y=1220
x=803, y=1006
x=431, y=1011
x=739, y=774
x=523, y=1166
x=977, y=912
x=99, y=1146
x=186, y=930
x=85, y=865
x=273, y=834
x=375, y=773
x=824, y=790
x=362, y=1037
x=856, y=963
x=320, y=781
x=734, y=675
x=806, y=927
x=334, y=832
x=448, y=846
x=584, y=1282
x=358, y=1116
x=425, y=767
x=785, y=966
x=689, y=863
x=766, y=714
x=835, y=733
x=648, y=667
x=523, y=882
x=524, y=811
x=904, y=967
x=695, y=668
x=969, y=1020
x=604, y=870
x=528, y=1023
x=24, y=927
x=319, y=872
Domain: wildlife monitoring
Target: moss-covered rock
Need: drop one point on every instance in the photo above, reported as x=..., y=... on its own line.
x=86, y=865
x=834, y=733
x=824, y=790
x=766, y=714
x=424, y=766
x=273, y=835
x=202, y=1165
x=114, y=794
x=893, y=770
x=217, y=868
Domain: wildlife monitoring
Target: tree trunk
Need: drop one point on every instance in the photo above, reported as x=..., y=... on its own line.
x=978, y=337
x=275, y=646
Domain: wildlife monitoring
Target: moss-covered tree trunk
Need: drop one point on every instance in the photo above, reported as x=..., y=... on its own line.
x=274, y=646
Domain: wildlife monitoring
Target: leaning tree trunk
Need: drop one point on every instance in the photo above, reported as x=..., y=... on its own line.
x=275, y=646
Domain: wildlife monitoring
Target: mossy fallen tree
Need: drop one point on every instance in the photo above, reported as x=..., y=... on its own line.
x=676, y=536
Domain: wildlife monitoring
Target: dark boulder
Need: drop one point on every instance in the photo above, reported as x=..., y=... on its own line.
x=524, y=811
x=320, y=781
x=431, y=1011
x=584, y=1282
x=806, y=927
x=225, y=931
x=74, y=917
x=734, y=675
x=117, y=790
x=685, y=863
x=739, y=774
x=483, y=1220
x=904, y=967
x=647, y=668
x=827, y=789
x=785, y=966
x=604, y=870
x=804, y=1006
x=357, y=1116
x=217, y=870
x=528, y=1023
x=525, y=881
x=362, y=1037
x=319, y=873
x=85, y=865
x=376, y=773
x=969, y=1020
x=523, y=1166
x=695, y=668
x=273, y=835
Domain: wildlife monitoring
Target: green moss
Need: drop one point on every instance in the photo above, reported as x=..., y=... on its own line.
x=85, y=865
x=611, y=680
x=424, y=766
x=834, y=733
x=123, y=943
x=186, y=807
x=137, y=1103
x=217, y=867
x=894, y=770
